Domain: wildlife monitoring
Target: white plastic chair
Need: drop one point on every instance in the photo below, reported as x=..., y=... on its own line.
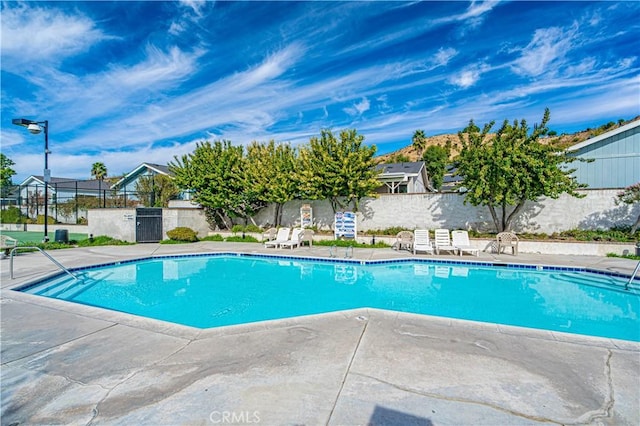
x=442, y=241
x=295, y=240
x=460, y=240
x=281, y=237
x=421, y=241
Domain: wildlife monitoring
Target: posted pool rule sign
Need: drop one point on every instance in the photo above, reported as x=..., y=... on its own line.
x=345, y=225
x=306, y=216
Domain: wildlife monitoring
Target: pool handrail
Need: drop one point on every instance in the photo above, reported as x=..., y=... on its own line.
x=47, y=255
x=635, y=272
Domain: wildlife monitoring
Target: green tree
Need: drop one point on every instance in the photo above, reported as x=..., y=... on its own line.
x=340, y=170
x=505, y=172
x=156, y=190
x=6, y=173
x=419, y=141
x=271, y=172
x=436, y=159
x=215, y=173
x=99, y=171
x=631, y=196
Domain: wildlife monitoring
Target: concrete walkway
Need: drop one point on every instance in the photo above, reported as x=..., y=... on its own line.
x=70, y=364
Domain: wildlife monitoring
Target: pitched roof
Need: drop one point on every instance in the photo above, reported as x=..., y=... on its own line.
x=413, y=168
x=70, y=184
x=158, y=168
x=604, y=136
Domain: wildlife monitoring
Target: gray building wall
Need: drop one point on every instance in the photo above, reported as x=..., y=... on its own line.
x=616, y=159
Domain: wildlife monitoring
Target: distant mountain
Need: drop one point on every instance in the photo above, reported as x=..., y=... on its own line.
x=566, y=140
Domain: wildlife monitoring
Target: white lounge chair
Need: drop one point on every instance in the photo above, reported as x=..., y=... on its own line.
x=421, y=241
x=442, y=241
x=295, y=240
x=281, y=237
x=460, y=240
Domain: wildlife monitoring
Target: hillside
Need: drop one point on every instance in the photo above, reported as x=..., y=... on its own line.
x=565, y=141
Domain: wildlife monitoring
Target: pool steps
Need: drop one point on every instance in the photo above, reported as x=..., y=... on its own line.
x=47, y=255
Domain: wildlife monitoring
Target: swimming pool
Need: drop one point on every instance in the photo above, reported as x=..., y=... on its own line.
x=216, y=290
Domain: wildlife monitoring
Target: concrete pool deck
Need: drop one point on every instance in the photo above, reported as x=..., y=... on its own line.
x=70, y=364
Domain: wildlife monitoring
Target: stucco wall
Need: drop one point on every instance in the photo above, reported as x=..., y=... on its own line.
x=116, y=223
x=597, y=210
x=191, y=218
x=121, y=223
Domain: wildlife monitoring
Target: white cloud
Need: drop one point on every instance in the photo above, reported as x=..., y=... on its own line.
x=112, y=93
x=362, y=106
x=195, y=5
x=545, y=53
x=473, y=15
x=33, y=34
x=468, y=76
x=158, y=67
x=443, y=56
x=176, y=28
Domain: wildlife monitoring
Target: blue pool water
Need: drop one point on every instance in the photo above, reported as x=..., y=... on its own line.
x=211, y=291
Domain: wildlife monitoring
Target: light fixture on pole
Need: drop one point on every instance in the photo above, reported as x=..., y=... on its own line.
x=35, y=127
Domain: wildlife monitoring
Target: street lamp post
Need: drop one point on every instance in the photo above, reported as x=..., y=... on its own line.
x=35, y=127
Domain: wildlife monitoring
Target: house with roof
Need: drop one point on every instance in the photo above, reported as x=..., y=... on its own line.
x=403, y=178
x=615, y=158
x=127, y=185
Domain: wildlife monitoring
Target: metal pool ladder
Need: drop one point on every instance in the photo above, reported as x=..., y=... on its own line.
x=635, y=271
x=47, y=255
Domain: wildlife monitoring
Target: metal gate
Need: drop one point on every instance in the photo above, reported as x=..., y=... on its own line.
x=148, y=225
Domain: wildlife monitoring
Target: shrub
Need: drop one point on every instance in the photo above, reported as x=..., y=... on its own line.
x=388, y=231
x=252, y=228
x=40, y=220
x=349, y=243
x=237, y=228
x=183, y=233
x=12, y=215
x=215, y=237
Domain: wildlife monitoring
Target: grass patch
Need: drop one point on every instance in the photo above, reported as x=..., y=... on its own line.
x=215, y=237
x=169, y=242
x=624, y=256
x=239, y=239
x=102, y=240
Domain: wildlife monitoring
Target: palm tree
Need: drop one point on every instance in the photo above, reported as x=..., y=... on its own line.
x=99, y=171
x=419, y=142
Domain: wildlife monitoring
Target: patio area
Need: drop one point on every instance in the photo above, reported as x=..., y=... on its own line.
x=70, y=364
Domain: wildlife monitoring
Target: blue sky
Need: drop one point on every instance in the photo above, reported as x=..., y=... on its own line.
x=131, y=82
